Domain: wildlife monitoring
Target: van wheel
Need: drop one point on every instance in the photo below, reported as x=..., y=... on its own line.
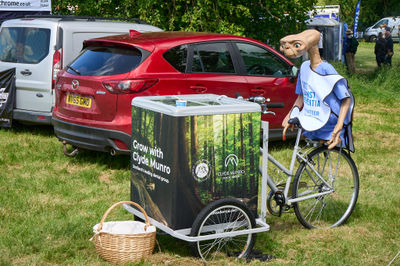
x=372, y=38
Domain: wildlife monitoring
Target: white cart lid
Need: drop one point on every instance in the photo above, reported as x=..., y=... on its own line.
x=196, y=104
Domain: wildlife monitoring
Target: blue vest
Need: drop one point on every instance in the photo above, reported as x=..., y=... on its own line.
x=315, y=88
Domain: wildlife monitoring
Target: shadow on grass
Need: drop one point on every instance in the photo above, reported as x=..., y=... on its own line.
x=168, y=244
x=39, y=130
x=372, y=75
x=116, y=162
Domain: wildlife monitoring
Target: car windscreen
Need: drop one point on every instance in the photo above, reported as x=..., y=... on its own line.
x=104, y=61
x=24, y=44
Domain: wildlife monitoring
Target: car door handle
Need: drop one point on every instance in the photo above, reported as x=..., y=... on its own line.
x=258, y=91
x=26, y=72
x=198, y=88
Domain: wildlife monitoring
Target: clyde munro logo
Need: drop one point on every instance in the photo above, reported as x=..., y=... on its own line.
x=231, y=159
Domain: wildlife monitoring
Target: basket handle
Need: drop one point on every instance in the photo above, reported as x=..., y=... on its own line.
x=119, y=203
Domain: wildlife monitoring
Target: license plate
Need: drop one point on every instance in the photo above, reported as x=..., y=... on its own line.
x=79, y=100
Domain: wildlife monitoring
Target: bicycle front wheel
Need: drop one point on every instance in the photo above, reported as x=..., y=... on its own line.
x=333, y=209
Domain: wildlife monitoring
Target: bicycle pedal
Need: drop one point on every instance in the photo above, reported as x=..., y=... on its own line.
x=279, y=198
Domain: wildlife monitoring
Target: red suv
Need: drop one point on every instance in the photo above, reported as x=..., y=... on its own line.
x=94, y=92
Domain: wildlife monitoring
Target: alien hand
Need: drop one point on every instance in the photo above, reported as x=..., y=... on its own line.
x=335, y=139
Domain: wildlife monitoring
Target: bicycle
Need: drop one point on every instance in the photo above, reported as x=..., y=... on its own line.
x=325, y=185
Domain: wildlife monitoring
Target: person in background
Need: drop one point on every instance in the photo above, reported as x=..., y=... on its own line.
x=380, y=49
x=351, y=49
x=389, y=47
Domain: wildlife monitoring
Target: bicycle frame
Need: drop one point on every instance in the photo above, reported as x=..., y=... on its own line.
x=289, y=172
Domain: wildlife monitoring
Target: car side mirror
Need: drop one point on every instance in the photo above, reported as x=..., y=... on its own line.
x=294, y=71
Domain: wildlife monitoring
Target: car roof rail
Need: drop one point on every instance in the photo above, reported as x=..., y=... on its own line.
x=88, y=18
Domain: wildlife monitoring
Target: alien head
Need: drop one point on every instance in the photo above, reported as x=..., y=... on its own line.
x=296, y=45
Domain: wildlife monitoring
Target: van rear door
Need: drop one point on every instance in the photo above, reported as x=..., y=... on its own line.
x=28, y=50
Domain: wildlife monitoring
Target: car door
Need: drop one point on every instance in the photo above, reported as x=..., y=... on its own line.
x=213, y=69
x=268, y=75
x=394, y=25
x=28, y=50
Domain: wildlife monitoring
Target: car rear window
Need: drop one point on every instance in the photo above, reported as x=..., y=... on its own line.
x=24, y=45
x=104, y=61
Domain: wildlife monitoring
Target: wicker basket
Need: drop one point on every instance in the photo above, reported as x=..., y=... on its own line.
x=120, y=247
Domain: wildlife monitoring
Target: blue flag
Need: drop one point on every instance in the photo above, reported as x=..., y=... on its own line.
x=356, y=14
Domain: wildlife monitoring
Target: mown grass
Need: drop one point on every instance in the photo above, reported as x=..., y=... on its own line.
x=49, y=202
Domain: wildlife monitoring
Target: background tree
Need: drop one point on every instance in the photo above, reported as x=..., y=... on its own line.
x=264, y=20
x=370, y=11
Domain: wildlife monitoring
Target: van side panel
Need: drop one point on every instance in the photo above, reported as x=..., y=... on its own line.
x=74, y=43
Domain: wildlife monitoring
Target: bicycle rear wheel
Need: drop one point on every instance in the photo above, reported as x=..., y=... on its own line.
x=338, y=169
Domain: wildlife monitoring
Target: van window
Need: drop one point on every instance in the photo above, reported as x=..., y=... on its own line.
x=381, y=23
x=104, y=61
x=24, y=45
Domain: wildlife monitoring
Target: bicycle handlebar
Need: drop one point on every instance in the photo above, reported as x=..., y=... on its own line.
x=261, y=101
x=275, y=105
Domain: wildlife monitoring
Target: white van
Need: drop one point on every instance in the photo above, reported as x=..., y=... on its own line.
x=371, y=33
x=39, y=47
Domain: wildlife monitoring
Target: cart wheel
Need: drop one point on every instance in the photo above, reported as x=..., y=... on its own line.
x=224, y=215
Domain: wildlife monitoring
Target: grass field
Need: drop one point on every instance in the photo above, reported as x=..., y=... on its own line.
x=49, y=202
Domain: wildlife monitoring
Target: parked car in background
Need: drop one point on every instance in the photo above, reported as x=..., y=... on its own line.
x=371, y=33
x=39, y=47
x=94, y=92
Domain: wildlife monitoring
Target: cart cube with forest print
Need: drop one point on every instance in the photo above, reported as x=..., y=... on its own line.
x=184, y=157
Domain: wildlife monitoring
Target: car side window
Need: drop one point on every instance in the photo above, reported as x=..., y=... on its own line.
x=212, y=58
x=177, y=57
x=261, y=62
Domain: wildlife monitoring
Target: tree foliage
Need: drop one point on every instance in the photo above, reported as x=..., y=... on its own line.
x=370, y=10
x=265, y=20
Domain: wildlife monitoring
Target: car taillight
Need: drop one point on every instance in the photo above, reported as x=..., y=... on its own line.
x=57, y=64
x=129, y=85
